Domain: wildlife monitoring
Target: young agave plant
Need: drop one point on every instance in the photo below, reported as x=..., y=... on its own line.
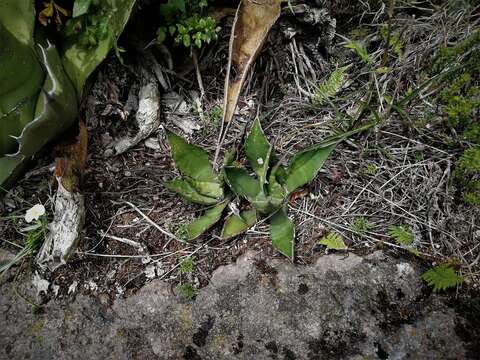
x=267, y=193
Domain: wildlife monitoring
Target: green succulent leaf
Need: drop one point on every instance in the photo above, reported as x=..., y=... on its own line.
x=206, y=221
x=207, y=188
x=333, y=241
x=189, y=193
x=190, y=160
x=442, y=277
x=244, y=185
x=305, y=165
x=193, y=164
x=238, y=224
x=277, y=193
x=21, y=74
x=241, y=182
x=282, y=231
x=258, y=150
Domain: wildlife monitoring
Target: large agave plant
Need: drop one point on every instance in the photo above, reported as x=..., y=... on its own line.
x=265, y=193
x=40, y=87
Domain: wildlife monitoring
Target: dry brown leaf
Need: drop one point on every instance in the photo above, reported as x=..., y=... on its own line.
x=253, y=21
x=70, y=166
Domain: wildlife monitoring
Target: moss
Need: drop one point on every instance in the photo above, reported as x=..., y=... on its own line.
x=37, y=326
x=469, y=163
x=466, y=176
x=448, y=55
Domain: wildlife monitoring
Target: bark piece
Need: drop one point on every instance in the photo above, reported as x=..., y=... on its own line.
x=147, y=118
x=69, y=217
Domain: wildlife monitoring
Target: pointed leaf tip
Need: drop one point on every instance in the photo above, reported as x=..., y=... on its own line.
x=206, y=221
x=282, y=231
x=258, y=150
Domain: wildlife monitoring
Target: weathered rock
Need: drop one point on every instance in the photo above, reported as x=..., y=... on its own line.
x=342, y=307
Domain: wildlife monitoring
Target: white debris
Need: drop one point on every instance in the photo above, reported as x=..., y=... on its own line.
x=152, y=143
x=65, y=230
x=73, y=287
x=147, y=118
x=40, y=284
x=55, y=289
x=92, y=285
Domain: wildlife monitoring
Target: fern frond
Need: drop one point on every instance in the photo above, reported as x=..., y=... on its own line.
x=401, y=234
x=360, y=51
x=330, y=87
x=442, y=277
x=333, y=241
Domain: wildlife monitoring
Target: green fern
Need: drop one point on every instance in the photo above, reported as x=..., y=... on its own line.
x=442, y=277
x=187, y=265
x=360, y=51
x=361, y=226
x=330, y=87
x=333, y=241
x=401, y=234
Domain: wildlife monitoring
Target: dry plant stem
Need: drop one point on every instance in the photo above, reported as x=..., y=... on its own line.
x=391, y=9
x=155, y=225
x=198, y=74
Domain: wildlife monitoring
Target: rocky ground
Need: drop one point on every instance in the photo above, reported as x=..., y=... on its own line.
x=341, y=307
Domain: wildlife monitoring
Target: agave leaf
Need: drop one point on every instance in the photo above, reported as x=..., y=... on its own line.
x=80, y=61
x=242, y=183
x=238, y=224
x=21, y=74
x=189, y=193
x=56, y=108
x=305, y=165
x=190, y=160
x=251, y=25
x=18, y=17
x=206, y=188
x=258, y=150
x=282, y=232
x=206, y=221
x=276, y=191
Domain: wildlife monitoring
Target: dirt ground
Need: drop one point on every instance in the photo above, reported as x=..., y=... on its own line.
x=399, y=173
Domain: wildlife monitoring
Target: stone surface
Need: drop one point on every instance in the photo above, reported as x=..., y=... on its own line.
x=342, y=307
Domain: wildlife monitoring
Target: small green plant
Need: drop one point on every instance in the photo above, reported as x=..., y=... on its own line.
x=360, y=50
x=186, y=23
x=466, y=174
x=361, y=226
x=187, y=265
x=442, y=277
x=371, y=169
x=215, y=115
x=394, y=40
x=333, y=241
x=187, y=290
x=89, y=23
x=266, y=194
x=401, y=234
x=330, y=87
x=34, y=235
x=182, y=232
